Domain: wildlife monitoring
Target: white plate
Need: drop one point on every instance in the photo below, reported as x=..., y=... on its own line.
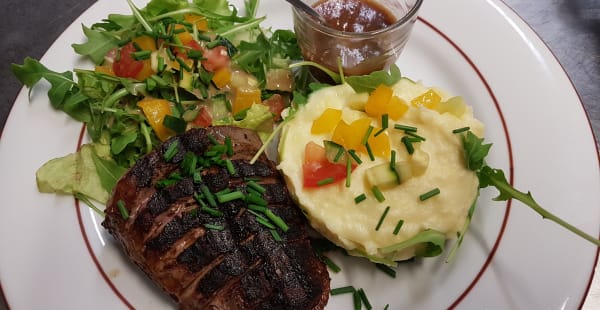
x=56, y=256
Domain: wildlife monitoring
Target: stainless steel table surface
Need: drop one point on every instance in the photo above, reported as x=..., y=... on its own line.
x=570, y=28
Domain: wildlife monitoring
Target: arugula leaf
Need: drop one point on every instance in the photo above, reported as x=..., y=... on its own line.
x=120, y=142
x=368, y=83
x=431, y=244
x=32, y=71
x=108, y=171
x=217, y=6
x=475, y=150
x=156, y=7
x=460, y=236
x=97, y=45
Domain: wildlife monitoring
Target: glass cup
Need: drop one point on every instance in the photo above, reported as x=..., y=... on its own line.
x=359, y=52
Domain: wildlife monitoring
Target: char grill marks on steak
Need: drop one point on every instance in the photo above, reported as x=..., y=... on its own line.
x=222, y=260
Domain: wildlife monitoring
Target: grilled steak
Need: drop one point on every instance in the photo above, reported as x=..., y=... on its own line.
x=214, y=231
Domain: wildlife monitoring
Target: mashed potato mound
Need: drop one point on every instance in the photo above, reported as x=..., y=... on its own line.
x=331, y=209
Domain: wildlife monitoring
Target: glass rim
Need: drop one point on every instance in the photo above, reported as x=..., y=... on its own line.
x=367, y=34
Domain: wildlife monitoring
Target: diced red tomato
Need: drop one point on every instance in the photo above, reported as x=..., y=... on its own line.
x=215, y=58
x=276, y=104
x=204, y=119
x=316, y=167
x=126, y=66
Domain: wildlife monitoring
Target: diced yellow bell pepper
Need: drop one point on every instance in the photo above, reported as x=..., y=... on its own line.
x=145, y=43
x=105, y=69
x=327, y=122
x=243, y=98
x=200, y=21
x=350, y=136
x=155, y=111
x=222, y=77
x=397, y=107
x=380, y=145
x=430, y=99
x=378, y=101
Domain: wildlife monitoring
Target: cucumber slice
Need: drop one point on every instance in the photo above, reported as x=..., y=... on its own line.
x=384, y=177
x=334, y=152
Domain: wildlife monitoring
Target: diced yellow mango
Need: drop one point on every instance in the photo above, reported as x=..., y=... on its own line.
x=339, y=133
x=155, y=111
x=243, y=98
x=327, y=122
x=146, y=71
x=145, y=42
x=430, y=99
x=184, y=36
x=378, y=101
x=397, y=107
x=200, y=21
x=222, y=77
x=350, y=136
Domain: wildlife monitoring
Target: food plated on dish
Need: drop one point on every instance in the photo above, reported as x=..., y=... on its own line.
x=399, y=147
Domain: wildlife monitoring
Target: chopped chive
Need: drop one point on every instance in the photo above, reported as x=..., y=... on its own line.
x=380, y=131
x=160, y=81
x=250, y=190
x=409, y=147
x=213, y=140
x=275, y=235
x=122, y=209
x=197, y=177
x=414, y=135
x=387, y=270
x=265, y=222
x=136, y=46
x=150, y=84
x=393, y=160
x=188, y=164
x=405, y=127
x=211, y=211
x=214, y=226
x=171, y=150
x=194, y=54
x=360, y=198
x=170, y=54
x=255, y=179
x=330, y=264
x=338, y=155
x=141, y=55
x=183, y=64
x=202, y=37
x=365, y=138
x=384, y=121
x=459, y=130
x=363, y=297
x=256, y=208
x=277, y=220
x=429, y=194
x=177, y=31
x=342, y=290
x=208, y=195
x=230, y=196
x=161, y=64
x=355, y=156
x=194, y=212
x=256, y=199
x=256, y=186
x=219, y=148
x=398, y=226
x=356, y=300
x=229, y=146
x=325, y=181
x=200, y=201
x=387, y=209
x=370, y=152
x=387, y=306
x=230, y=167
x=378, y=194
x=348, y=171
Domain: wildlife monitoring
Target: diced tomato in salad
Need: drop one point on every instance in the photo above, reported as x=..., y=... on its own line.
x=125, y=65
x=276, y=104
x=204, y=119
x=215, y=58
x=316, y=167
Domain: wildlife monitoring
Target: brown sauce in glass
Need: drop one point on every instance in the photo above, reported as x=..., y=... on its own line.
x=354, y=15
